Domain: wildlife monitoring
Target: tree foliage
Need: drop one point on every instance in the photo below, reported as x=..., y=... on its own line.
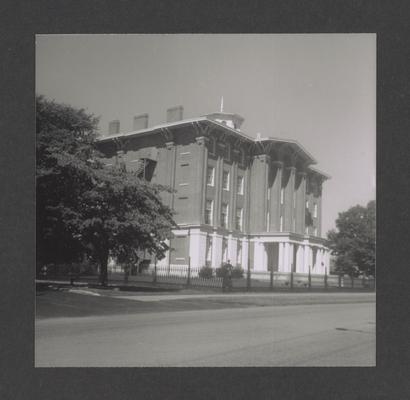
x=354, y=241
x=84, y=207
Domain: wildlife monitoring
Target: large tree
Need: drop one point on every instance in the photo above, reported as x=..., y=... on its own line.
x=85, y=207
x=354, y=241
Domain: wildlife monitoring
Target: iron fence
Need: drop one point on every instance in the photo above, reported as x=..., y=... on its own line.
x=185, y=276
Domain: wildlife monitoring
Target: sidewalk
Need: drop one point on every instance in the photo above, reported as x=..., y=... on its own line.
x=283, y=295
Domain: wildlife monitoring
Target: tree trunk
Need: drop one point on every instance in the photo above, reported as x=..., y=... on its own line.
x=104, y=268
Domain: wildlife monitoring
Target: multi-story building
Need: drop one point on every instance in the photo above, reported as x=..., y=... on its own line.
x=253, y=201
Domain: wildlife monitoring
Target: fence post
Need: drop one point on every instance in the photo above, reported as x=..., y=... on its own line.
x=155, y=270
x=309, y=279
x=326, y=279
x=291, y=280
x=340, y=281
x=271, y=278
x=352, y=281
x=188, y=282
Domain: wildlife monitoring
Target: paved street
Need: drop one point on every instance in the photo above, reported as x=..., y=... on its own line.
x=281, y=335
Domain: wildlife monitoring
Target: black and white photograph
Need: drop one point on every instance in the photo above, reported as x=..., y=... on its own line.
x=205, y=200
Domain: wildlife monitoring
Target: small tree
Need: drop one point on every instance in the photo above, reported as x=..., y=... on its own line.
x=122, y=214
x=354, y=242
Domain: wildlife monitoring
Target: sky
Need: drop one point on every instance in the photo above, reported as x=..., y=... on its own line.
x=319, y=89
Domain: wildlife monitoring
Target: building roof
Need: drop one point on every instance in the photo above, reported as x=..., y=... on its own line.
x=294, y=144
x=318, y=172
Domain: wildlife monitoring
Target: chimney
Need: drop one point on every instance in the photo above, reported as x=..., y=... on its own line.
x=140, y=122
x=114, y=127
x=174, y=114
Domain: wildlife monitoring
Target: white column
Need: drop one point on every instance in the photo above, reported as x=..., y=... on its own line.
x=260, y=257
x=291, y=260
x=216, y=250
x=286, y=261
x=300, y=259
x=232, y=249
x=280, y=256
x=315, y=265
x=245, y=253
x=322, y=261
x=197, y=248
x=310, y=259
x=306, y=258
x=318, y=266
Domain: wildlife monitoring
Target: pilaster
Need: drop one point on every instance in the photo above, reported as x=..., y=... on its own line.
x=247, y=207
x=275, y=206
x=218, y=191
x=258, y=201
x=233, y=195
x=288, y=206
x=300, y=202
x=172, y=166
x=201, y=162
x=216, y=250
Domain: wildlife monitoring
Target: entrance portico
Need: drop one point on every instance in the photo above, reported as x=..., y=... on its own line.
x=290, y=253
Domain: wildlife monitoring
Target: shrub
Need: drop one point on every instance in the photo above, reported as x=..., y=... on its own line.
x=222, y=271
x=237, y=272
x=205, y=272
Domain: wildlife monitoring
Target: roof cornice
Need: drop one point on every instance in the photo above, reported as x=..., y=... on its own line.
x=252, y=140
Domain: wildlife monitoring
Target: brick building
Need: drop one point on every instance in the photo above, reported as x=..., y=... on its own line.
x=237, y=198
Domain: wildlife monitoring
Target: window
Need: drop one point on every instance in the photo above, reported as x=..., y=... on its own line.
x=209, y=249
x=307, y=203
x=209, y=207
x=224, y=250
x=239, y=219
x=239, y=185
x=268, y=195
x=307, y=230
x=281, y=224
x=282, y=192
x=210, y=176
x=315, y=232
x=267, y=221
x=225, y=180
x=239, y=253
x=224, y=215
x=315, y=210
x=294, y=199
